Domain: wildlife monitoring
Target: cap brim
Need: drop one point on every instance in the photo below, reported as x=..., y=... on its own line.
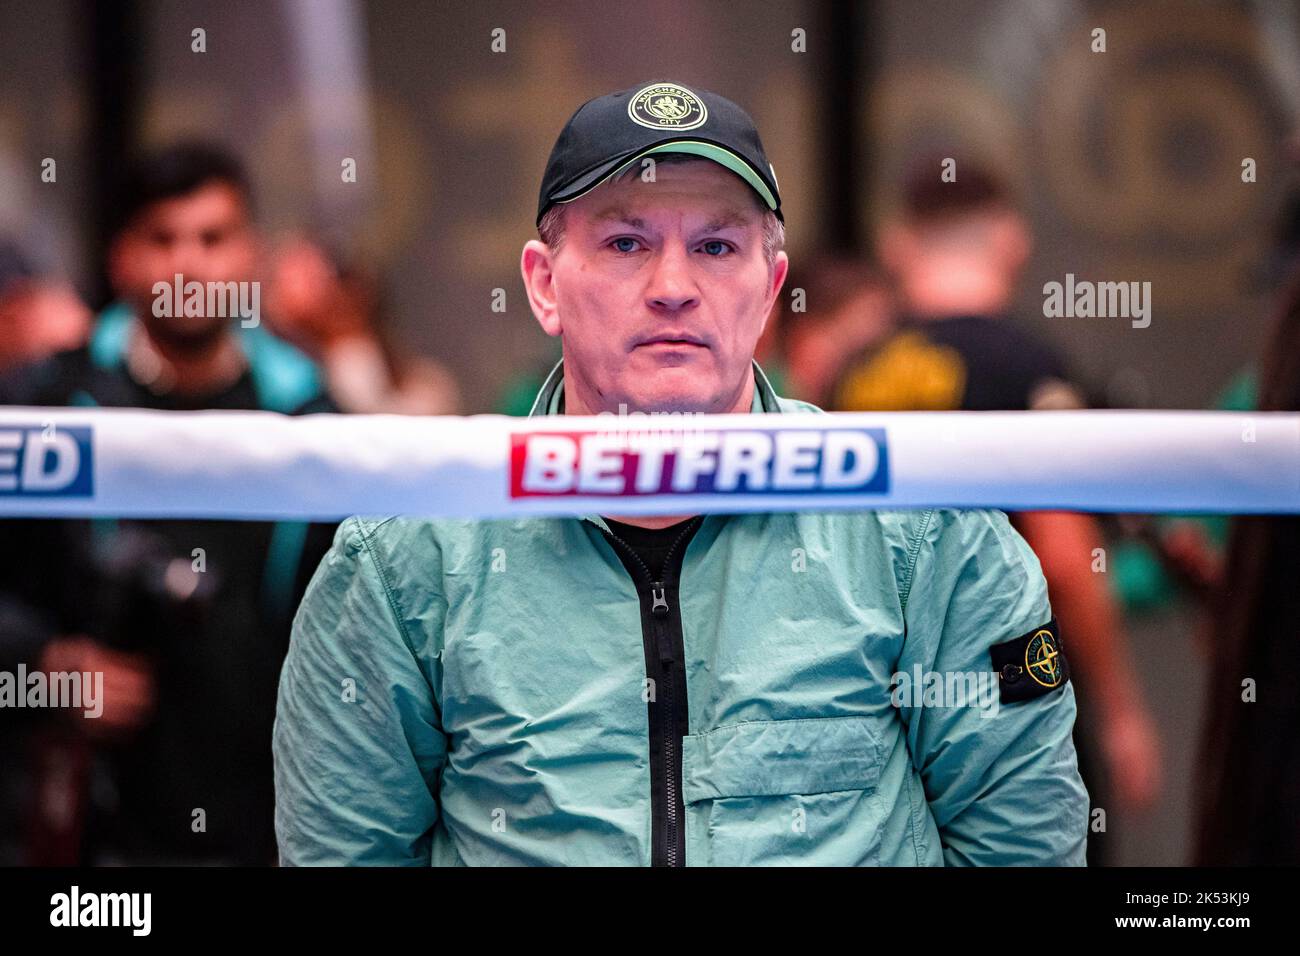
x=718, y=154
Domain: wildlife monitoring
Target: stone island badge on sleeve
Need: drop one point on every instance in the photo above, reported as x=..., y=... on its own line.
x=1031, y=665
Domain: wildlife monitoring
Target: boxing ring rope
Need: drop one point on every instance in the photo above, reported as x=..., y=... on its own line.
x=261, y=465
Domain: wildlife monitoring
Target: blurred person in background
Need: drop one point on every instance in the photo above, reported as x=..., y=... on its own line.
x=835, y=308
x=956, y=253
x=1166, y=559
x=35, y=320
x=38, y=315
x=188, y=620
x=330, y=311
x=1250, y=752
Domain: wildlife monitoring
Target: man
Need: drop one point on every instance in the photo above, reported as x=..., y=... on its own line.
x=851, y=307
x=330, y=309
x=956, y=253
x=39, y=315
x=188, y=620
x=1248, y=768
x=688, y=690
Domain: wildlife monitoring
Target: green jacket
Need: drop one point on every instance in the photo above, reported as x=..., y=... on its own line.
x=464, y=692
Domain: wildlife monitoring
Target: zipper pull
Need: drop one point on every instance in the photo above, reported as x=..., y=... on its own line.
x=659, y=609
x=660, y=606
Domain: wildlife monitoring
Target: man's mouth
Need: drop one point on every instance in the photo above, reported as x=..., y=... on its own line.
x=673, y=340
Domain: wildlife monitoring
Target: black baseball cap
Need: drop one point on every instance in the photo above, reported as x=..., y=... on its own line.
x=613, y=131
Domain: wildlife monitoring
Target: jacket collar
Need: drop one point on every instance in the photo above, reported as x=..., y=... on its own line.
x=550, y=401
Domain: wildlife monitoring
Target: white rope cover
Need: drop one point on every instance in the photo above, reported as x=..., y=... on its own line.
x=261, y=465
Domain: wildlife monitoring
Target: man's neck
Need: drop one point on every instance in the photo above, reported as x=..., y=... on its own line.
x=961, y=293
x=574, y=405
x=167, y=368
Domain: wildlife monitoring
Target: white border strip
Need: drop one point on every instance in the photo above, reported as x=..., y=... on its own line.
x=260, y=465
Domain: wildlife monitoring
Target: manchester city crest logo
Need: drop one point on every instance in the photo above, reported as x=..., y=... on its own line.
x=1043, y=659
x=667, y=106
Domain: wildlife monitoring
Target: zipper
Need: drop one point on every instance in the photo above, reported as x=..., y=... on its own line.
x=661, y=635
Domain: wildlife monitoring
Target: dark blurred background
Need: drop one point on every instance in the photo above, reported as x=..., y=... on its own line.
x=1127, y=161
x=1127, y=164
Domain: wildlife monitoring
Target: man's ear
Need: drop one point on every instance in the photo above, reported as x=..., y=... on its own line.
x=1012, y=240
x=537, y=266
x=117, y=262
x=259, y=266
x=780, y=268
x=895, y=246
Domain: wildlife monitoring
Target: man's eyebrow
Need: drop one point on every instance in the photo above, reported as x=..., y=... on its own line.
x=726, y=220
x=619, y=214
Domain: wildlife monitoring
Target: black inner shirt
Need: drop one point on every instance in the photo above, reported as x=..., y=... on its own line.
x=651, y=544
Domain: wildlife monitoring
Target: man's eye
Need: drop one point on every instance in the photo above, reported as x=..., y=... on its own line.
x=624, y=244
x=716, y=247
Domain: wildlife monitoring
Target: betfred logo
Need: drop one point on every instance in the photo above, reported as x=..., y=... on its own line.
x=49, y=461
x=703, y=461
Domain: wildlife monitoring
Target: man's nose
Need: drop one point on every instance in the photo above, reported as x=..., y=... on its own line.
x=186, y=257
x=672, y=287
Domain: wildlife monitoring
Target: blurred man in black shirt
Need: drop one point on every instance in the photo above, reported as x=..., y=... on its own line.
x=187, y=619
x=955, y=254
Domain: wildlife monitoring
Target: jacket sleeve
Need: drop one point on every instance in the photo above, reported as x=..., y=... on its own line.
x=358, y=744
x=1001, y=779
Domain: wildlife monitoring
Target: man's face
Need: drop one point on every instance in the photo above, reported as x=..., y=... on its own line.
x=659, y=290
x=205, y=236
x=967, y=262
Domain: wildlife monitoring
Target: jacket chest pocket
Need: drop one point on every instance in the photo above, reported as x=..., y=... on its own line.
x=790, y=792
